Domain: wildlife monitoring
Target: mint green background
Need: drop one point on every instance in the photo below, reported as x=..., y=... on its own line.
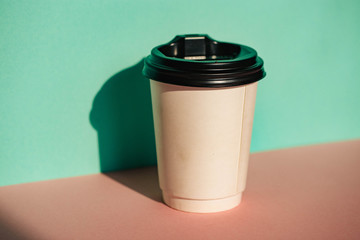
x=56, y=55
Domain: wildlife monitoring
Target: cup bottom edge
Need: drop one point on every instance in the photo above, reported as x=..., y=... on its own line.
x=202, y=205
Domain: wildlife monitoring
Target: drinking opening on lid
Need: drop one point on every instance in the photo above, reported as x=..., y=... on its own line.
x=199, y=48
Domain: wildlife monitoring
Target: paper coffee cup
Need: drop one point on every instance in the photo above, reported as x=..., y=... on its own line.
x=203, y=97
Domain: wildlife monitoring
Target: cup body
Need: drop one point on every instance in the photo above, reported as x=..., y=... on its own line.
x=203, y=140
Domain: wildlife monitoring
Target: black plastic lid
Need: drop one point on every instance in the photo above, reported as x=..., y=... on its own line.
x=199, y=61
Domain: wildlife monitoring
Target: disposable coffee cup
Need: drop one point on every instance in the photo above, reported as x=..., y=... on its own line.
x=203, y=97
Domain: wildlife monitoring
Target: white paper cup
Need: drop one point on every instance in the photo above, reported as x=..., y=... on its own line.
x=202, y=126
x=202, y=142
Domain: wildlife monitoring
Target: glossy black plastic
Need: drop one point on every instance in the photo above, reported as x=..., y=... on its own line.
x=199, y=61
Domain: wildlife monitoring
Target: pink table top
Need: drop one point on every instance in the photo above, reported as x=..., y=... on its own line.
x=308, y=192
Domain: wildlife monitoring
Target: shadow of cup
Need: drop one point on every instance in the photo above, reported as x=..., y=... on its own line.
x=122, y=116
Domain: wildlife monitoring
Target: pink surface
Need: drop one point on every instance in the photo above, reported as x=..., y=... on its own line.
x=300, y=193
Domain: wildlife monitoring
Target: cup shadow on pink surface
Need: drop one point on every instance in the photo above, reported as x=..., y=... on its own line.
x=122, y=116
x=144, y=181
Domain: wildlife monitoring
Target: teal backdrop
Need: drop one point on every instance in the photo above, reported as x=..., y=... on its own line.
x=73, y=101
